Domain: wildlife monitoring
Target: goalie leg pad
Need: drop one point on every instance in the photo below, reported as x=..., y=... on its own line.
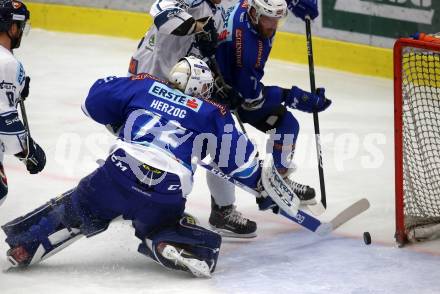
x=197, y=242
x=45, y=231
x=275, y=187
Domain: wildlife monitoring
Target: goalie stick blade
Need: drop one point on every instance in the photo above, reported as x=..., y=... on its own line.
x=344, y=216
x=350, y=212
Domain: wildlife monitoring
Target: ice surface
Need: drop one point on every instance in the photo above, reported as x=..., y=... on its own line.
x=357, y=137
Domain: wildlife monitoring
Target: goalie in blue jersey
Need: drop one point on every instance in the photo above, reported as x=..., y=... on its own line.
x=163, y=128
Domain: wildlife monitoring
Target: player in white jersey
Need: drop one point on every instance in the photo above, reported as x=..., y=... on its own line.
x=182, y=28
x=14, y=85
x=173, y=35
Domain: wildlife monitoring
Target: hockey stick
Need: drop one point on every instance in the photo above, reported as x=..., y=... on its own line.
x=217, y=72
x=26, y=126
x=319, y=208
x=24, y=116
x=315, y=211
x=302, y=218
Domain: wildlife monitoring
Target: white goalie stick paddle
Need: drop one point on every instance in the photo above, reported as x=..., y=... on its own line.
x=302, y=218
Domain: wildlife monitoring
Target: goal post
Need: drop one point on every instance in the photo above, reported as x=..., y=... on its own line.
x=417, y=138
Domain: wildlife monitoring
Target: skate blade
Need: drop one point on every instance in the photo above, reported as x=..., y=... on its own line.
x=309, y=202
x=230, y=234
x=197, y=267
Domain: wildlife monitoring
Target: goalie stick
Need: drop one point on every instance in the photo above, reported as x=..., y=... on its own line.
x=302, y=218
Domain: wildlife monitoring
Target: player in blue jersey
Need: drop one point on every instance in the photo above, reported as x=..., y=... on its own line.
x=14, y=86
x=183, y=28
x=244, y=46
x=163, y=128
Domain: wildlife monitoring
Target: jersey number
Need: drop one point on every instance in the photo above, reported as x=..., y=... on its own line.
x=10, y=96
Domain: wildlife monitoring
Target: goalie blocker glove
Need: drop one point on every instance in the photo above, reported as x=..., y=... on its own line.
x=35, y=160
x=306, y=101
x=206, y=39
x=303, y=8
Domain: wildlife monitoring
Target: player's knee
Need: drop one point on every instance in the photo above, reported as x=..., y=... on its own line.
x=201, y=243
x=284, y=144
x=288, y=125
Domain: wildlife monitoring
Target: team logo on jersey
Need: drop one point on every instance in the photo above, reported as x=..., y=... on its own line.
x=192, y=103
x=152, y=41
x=166, y=93
x=173, y=12
x=7, y=86
x=223, y=35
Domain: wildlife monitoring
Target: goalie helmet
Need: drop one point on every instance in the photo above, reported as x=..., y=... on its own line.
x=13, y=11
x=269, y=8
x=193, y=77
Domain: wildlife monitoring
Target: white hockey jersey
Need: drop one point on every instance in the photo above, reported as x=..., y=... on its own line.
x=12, y=80
x=159, y=50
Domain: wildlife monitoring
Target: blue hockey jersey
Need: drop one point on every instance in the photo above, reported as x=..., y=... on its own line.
x=242, y=55
x=165, y=128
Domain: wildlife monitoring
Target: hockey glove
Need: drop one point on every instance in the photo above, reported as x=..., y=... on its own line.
x=206, y=40
x=225, y=94
x=306, y=101
x=302, y=8
x=25, y=92
x=35, y=160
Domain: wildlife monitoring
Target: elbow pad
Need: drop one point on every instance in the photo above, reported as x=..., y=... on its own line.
x=186, y=28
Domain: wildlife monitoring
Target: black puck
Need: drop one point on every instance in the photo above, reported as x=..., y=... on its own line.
x=367, y=238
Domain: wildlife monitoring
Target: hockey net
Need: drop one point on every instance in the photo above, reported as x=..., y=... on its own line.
x=417, y=138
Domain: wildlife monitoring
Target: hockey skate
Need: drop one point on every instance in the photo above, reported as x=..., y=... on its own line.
x=305, y=193
x=184, y=259
x=228, y=222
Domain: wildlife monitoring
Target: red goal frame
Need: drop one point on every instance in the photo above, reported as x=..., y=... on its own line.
x=401, y=235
